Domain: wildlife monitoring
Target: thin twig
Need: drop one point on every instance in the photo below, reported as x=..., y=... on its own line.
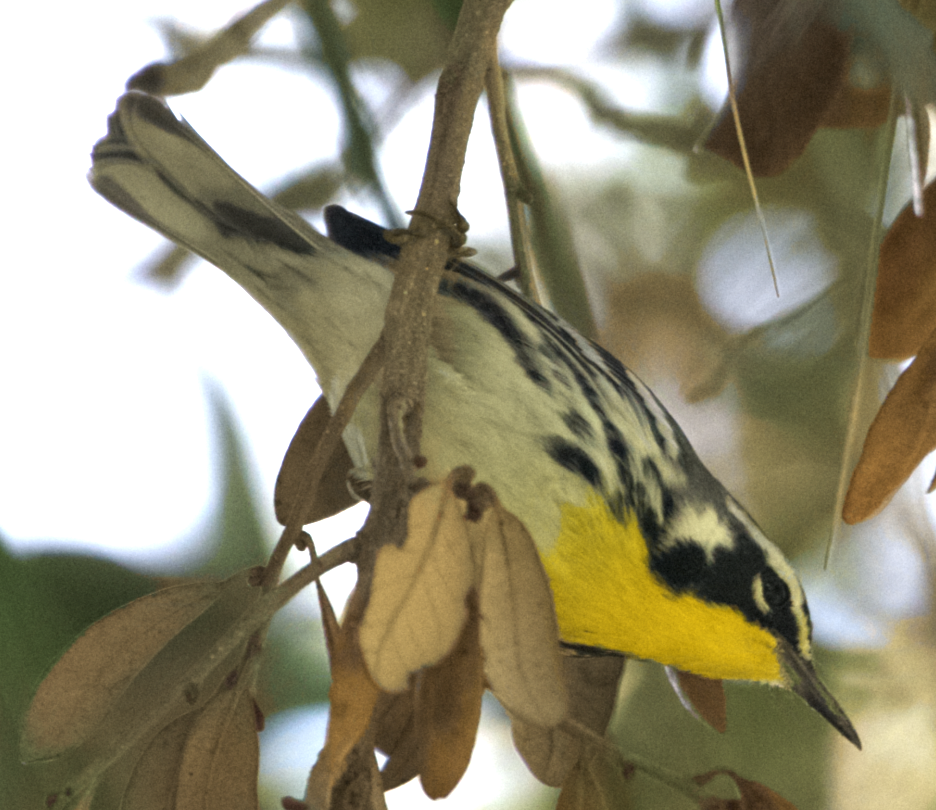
x=558, y=272
x=317, y=463
x=736, y=116
x=515, y=193
x=418, y=271
x=851, y=447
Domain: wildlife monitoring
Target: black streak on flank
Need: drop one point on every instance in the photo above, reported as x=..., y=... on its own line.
x=262, y=228
x=498, y=317
x=577, y=423
x=574, y=459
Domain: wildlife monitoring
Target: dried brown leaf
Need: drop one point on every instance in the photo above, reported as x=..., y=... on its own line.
x=593, y=686
x=448, y=709
x=793, y=73
x=156, y=776
x=403, y=765
x=417, y=604
x=855, y=107
x=667, y=327
x=581, y=791
x=397, y=736
x=902, y=434
x=221, y=759
x=754, y=796
x=551, y=753
x=703, y=697
x=393, y=717
x=99, y=667
x=905, y=296
x=596, y=782
x=352, y=699
x=192, y=71
x=332, y=495
x=519, y=631
x=923, y=10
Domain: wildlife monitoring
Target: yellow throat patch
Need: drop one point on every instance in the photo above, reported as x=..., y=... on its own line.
x=606, y=596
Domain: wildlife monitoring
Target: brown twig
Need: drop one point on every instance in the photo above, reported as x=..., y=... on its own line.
x=516, y=193
x=317, y=463
x=418, y=270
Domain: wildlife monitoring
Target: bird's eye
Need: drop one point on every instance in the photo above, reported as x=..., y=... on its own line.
x=776, y=591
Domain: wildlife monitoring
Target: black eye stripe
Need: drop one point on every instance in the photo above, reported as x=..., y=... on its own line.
x=776, y=591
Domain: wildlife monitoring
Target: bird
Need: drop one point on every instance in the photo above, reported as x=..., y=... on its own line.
x=646, y=552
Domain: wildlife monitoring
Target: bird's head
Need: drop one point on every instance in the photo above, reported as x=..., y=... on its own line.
x=707, y=593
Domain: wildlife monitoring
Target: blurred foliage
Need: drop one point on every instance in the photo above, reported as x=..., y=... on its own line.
x=774, y=405
x=48, y=600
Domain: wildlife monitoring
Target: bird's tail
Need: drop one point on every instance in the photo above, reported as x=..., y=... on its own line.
x=157, y=169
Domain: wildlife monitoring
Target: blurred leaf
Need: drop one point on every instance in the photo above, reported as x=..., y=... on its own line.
x=898, y=767
x=679, y=133
x=448, y=10
x=596, y=783
x=773, y=739
x=754, y=796
x=192, y=71
x=582, y=791
x=923, y=10
x=166, y=266
x=795, y=67
x=410, y=33
x=417, y=605
x=551, y=753
x=905, y=297
x=702, y=697
x=360, y=131
x=858, y=107
x=917, y=122
x=182, y=676
x=353, y=697
x=902, y=435
x=332, y=495
x=519, y=630
x=45, y=602
x=448, y=709
x=221, y=758
x=310, y=189
x=293, y=645
x=397, y=737
x=155, y=778
x=237, y=538
x=593, y=687
x=900, y=38
x=99, y=667
x=658, y=322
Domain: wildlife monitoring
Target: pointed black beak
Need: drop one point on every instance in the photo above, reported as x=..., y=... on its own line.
x=805, y=682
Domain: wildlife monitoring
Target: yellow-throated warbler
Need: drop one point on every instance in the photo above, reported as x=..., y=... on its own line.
x=646, y=552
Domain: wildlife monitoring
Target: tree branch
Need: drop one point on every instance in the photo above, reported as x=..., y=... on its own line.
x=418, y=271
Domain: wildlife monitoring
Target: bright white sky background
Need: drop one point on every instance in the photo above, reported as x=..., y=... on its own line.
x=103, y=424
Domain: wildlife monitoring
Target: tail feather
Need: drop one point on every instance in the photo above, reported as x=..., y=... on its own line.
x=158, y=170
